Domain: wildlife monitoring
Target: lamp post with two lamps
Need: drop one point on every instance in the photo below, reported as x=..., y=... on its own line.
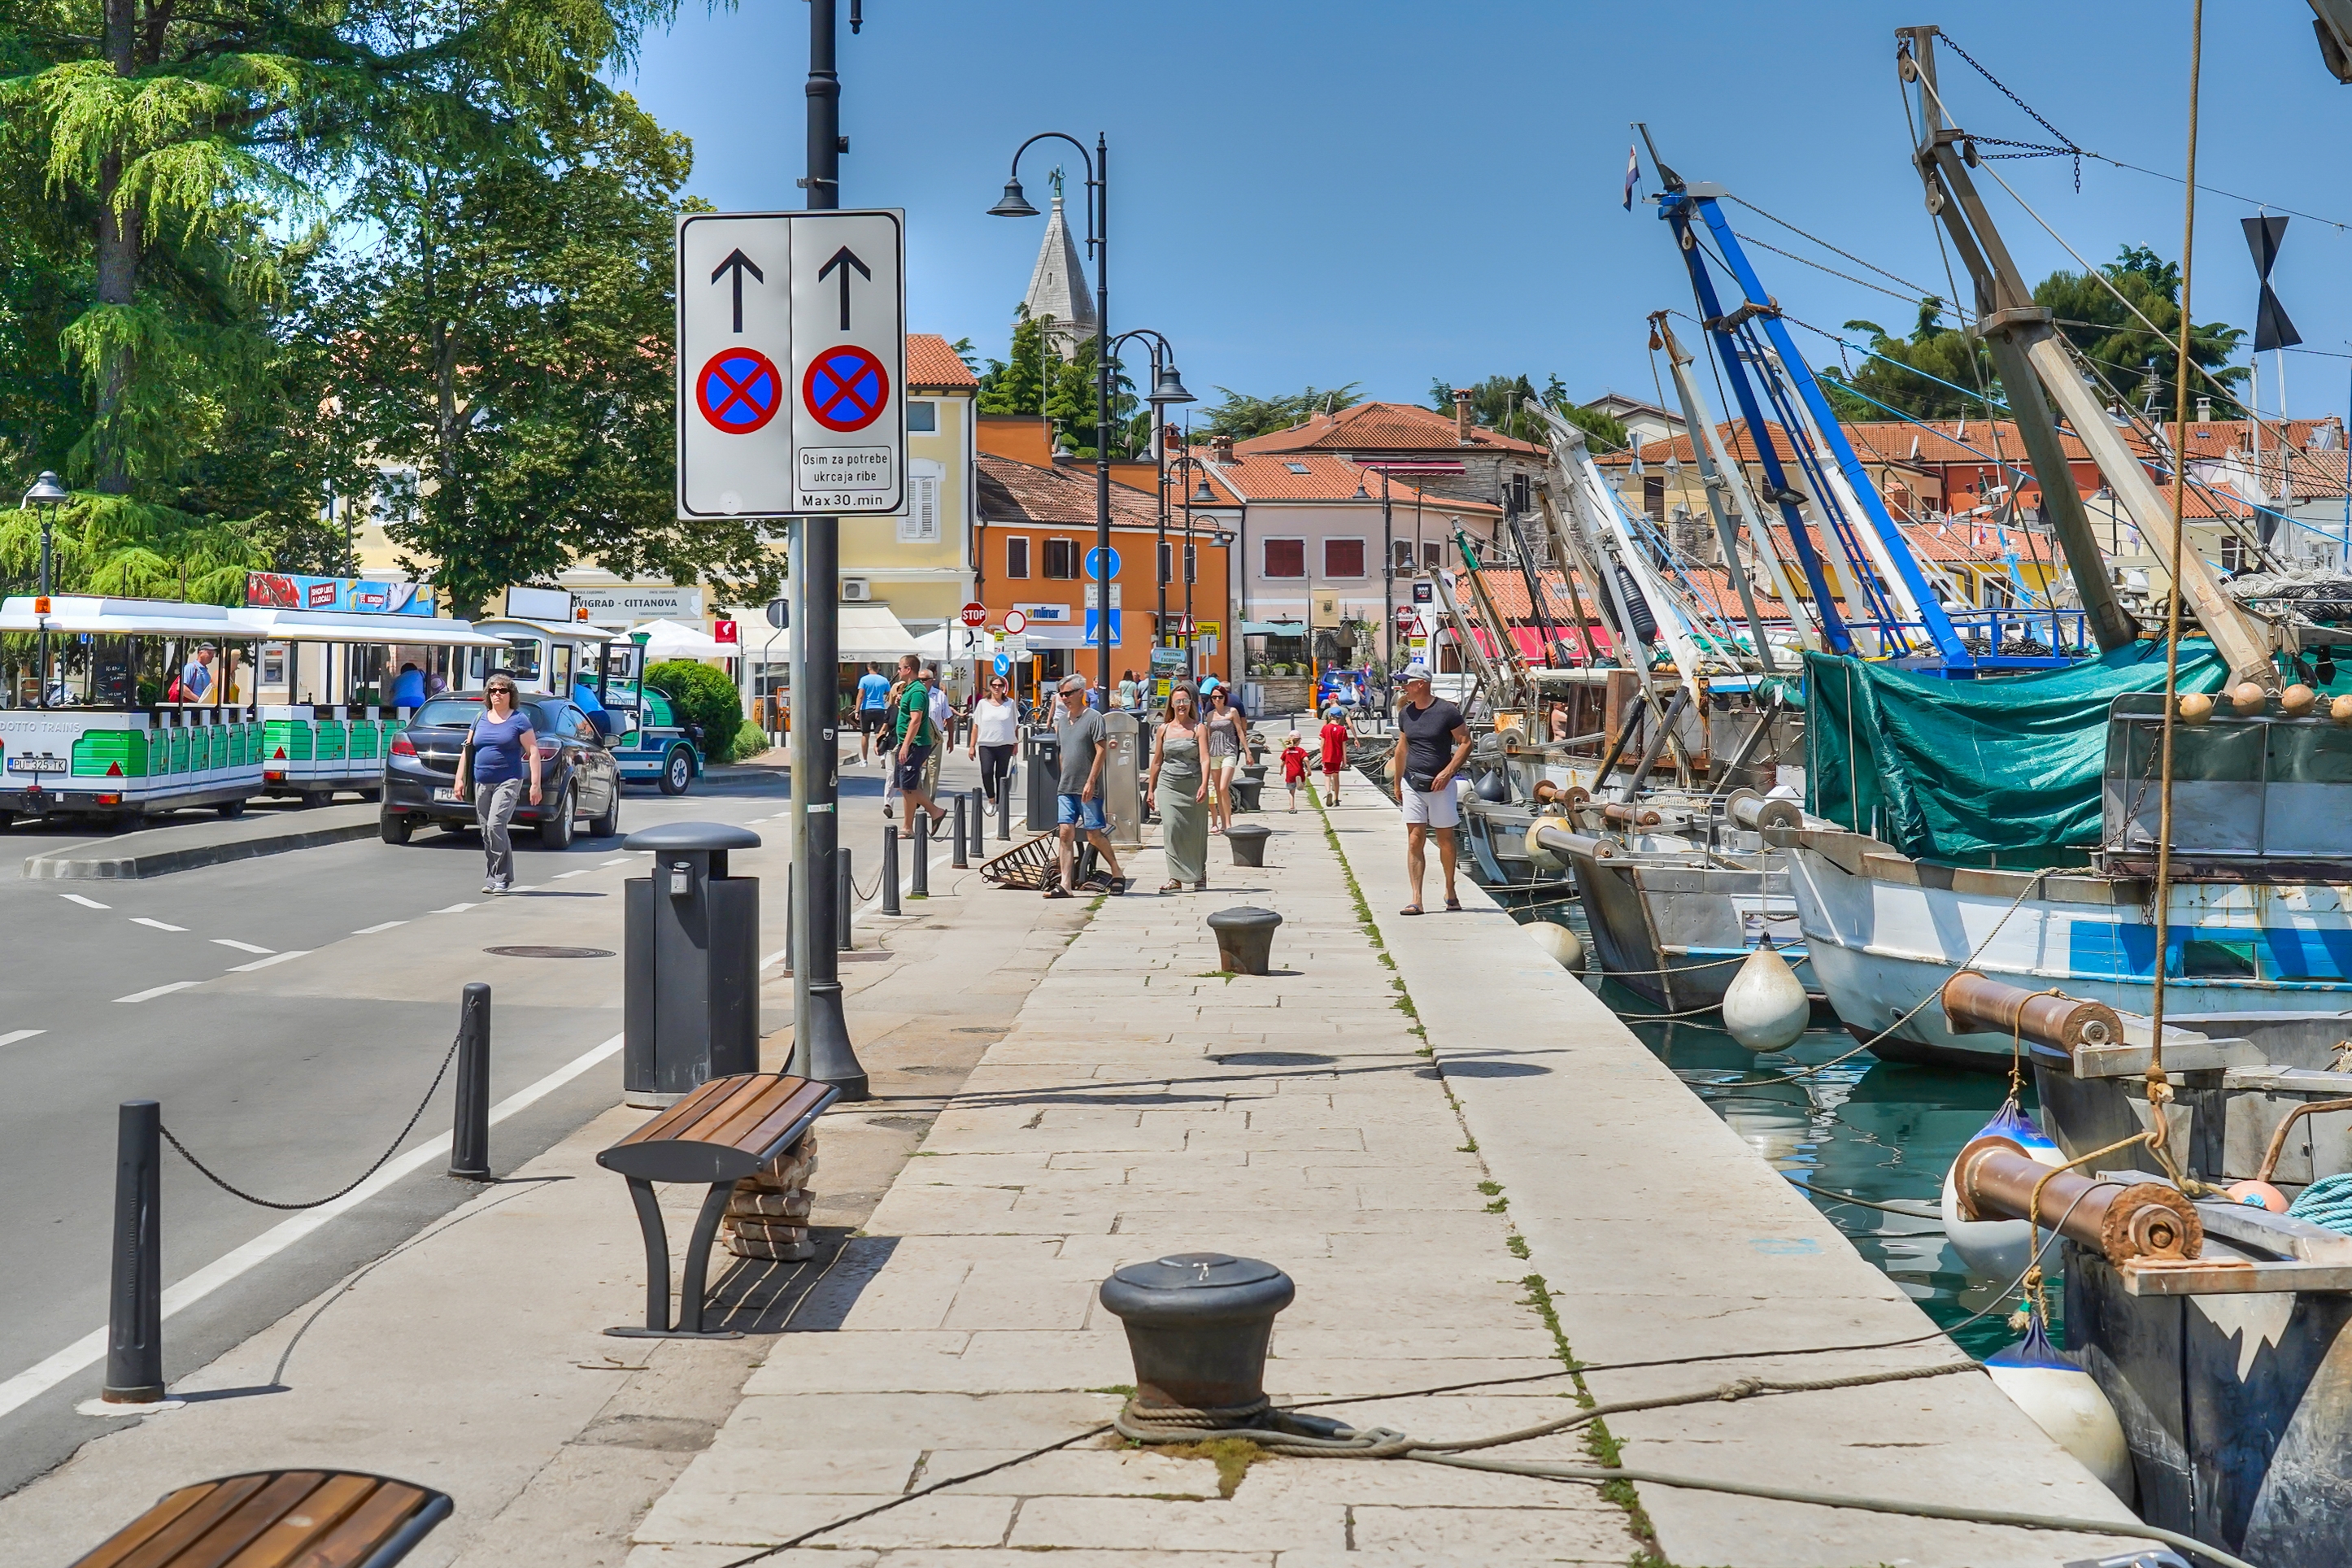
x=1199, y=495
x=47, y=495
x=1167, y=388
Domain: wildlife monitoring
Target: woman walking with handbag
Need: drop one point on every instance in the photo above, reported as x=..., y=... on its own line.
x=501, y=759
x=1179, y=787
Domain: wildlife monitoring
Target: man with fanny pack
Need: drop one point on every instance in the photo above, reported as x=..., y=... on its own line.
x=1432, y=742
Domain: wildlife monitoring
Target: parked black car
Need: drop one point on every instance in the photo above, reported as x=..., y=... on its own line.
x=578, y=775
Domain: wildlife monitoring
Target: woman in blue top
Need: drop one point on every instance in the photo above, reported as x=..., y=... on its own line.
x=503, y=754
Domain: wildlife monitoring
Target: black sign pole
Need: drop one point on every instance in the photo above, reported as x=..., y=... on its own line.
x=820, y=1045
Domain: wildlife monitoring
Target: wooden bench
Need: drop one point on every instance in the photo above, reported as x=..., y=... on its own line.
x=720, y=1134
x=278, y=1519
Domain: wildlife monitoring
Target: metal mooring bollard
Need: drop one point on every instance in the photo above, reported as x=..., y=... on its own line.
x=845, y=889
x=1198, y=1324
x=469, y=1137
x=920, y=885
x=890, y=868
x=135, y=1327
x=1245, y=939
x=963, y=833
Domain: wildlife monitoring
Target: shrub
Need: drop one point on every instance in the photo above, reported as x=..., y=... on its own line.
x=706, y=699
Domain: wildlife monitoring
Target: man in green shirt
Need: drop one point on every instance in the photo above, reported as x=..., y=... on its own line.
x=915, y=735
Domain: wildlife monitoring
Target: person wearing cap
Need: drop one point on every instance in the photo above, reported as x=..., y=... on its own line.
x=1080, y=731
x=1432, y=742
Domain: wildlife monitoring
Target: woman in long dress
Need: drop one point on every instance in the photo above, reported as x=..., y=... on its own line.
x=1179, y=787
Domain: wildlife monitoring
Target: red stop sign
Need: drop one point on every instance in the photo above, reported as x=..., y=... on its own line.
x=975, y=614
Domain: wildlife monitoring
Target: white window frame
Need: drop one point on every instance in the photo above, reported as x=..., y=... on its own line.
x=1363, y=549
x=1306, y=567
x=1023, y=540
x=929, y=404
x=1078, y=560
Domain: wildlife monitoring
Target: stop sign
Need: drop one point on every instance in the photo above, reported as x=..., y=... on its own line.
x=1405, y=617
x=975, y=614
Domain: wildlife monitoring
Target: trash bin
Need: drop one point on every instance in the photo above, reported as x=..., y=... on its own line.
x=690, y=975
x=1041, y=761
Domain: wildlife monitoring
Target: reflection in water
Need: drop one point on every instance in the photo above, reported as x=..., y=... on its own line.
x=1882, y=1130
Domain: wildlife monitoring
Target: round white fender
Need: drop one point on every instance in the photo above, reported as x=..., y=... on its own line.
x=1997, y=1250
x=1565, y=946
x=2067, y=1403
x=1766, y=1007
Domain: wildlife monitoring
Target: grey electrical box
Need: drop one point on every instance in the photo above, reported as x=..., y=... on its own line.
x=690, y=989
x=1041, y=760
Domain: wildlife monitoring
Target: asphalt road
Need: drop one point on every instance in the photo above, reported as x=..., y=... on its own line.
x=289, y=1013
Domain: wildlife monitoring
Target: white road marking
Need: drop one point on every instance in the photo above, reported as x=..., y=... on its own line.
x=84, y=1353
x=159, y=991
x=266, y=963
x=581, y=872
x=159, y=925
x=450, y=909
x=381, y=925
x=13, y=1036
x=622, y=860
x=776, y=957
x=85, y=903
x=240, y=946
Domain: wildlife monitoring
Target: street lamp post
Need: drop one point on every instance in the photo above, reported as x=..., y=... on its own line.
x=1167, y=387
x=48, y=495
x=1202, y=496
x=1012, y=204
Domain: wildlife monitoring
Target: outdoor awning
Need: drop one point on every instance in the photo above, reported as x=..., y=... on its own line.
x=1274, y=629
x=76, y=613
x=868, y=634
x=1064, y=635
x=675, y=639
x=342, y=625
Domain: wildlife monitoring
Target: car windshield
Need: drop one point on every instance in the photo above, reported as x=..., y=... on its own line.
x=456, y=712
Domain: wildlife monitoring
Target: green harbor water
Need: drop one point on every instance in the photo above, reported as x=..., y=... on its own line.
x=1876, y=1130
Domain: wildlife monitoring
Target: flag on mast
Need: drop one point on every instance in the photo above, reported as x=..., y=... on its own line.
x=1633, y=174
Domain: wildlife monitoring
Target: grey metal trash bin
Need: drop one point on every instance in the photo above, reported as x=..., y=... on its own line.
x=690, y=970
x=1040, y=763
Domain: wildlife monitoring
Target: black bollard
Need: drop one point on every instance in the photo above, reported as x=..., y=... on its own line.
x=1004, y=808
x=978, y=849
x=890, y=868
x=962, y=834
x=469, y=1137
x=134, y=1329
x=919, y=887
x=846, y=904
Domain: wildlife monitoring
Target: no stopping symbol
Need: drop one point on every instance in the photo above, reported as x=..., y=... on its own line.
x=845, y=388
x=739, y=390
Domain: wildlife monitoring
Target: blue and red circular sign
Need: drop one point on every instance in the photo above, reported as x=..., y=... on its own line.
x=845, y=388
x=739, y=390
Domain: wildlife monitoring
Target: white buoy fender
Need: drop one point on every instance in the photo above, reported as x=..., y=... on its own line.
x=1565, y=946
x=1766, y=1007
x=1997, y=1250
x=2065, y=1402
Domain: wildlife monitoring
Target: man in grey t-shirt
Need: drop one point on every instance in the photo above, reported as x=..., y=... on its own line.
x=1079, y=731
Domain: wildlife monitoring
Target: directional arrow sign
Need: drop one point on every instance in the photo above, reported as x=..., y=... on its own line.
x=789, y=400
x=842, y=260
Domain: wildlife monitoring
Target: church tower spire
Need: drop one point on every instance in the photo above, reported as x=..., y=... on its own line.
x=1057, y=284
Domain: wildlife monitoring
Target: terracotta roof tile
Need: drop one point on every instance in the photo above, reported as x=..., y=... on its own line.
x=1382, y=427
x=932, y=362
x=1019, y=492
x=1277, y=477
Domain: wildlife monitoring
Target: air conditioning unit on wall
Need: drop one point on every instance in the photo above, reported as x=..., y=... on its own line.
x=855, y=591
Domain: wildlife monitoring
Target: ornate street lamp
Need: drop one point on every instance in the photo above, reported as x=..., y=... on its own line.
x=47, y=495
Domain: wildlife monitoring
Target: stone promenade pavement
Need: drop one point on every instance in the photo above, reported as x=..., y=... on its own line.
x=1143, y=1104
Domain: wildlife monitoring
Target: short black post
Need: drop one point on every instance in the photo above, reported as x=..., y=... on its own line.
x=978, y=849
x=1004, y=808
x=890, y=868
x=962, y=834
x=134, y=1329
x=792, y=933
x=919, y=887
x=846, y=906
x=469, y=1139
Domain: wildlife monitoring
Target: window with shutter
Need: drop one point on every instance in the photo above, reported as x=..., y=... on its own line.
x=1017, y=555
x=1343, y=558
x=1062, y=558
x=1285, y=558
x=1432, y=554
x=921, y=524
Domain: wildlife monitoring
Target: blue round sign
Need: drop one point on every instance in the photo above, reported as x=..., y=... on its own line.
x=1094, y=565
x=1003, y=664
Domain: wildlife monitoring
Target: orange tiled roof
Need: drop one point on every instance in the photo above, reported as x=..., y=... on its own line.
x=1016, y=492
x=1273, y=476
x=932, y=362
x=1384, y=428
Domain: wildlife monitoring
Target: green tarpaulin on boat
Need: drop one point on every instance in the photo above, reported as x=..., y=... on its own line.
x=1999, y=771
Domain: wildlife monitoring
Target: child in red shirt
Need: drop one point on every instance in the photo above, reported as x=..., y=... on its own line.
x=1294, y=766
x=1335, y=755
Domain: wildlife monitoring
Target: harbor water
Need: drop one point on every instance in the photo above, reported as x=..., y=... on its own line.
x=1885, y=1131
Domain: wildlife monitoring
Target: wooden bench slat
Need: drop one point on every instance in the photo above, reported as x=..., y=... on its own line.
x=313, y=1516
x=213, y=1501
x=780, y=1119
x=729, y=1122
x=684, y=1113
x=251, y=1520
x=364, y=1530
x=168, y=1510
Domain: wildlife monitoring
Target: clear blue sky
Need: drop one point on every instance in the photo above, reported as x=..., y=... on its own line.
x=1313, y=191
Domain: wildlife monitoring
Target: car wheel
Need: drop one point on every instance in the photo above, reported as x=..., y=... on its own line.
x=609, y=825
x=555, y=826
x=393, y=826
x=230, y=808
x=677, y=771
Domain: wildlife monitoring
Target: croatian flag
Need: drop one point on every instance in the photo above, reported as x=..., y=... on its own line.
x=1632, y=176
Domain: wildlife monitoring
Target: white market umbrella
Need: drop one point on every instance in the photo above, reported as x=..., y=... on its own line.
x=675, y=639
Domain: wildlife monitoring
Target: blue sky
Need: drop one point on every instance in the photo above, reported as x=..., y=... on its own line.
x=1313, y=190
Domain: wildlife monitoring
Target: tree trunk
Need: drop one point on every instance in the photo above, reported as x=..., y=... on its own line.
x=118, y=264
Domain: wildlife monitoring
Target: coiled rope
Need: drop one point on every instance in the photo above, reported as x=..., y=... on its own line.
x=2326, y=1202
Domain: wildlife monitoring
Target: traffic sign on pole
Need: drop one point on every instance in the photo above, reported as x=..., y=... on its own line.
x=1003, y=664
x=800, y=314
x=1095, y=572
x=975, y=614
x=1015, y=622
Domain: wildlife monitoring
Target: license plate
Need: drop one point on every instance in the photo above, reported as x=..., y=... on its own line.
x=445, y=794
x=36, y=764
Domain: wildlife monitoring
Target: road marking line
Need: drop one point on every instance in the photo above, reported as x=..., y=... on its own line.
x=450, y=909
x=159, y=991
x=159, y=925
x=623, y=860
x=381, y=925
x=85, y=903
x=266, y=963
x=240, y=946
x=85, y=1351
x=13, y=1036
x=779, y=956
x=581, y=872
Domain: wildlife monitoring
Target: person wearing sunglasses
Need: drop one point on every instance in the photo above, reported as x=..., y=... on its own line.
x=501, y=759
x=1228, y=750
x=995, y=734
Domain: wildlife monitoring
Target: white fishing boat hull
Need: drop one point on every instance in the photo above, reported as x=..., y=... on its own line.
x=1884, y=931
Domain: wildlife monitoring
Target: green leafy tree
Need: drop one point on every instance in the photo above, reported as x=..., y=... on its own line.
x=1499, y=403
x=2104, y=332
x=1922, y=375
x=1035, y=380
x=1240, y=415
